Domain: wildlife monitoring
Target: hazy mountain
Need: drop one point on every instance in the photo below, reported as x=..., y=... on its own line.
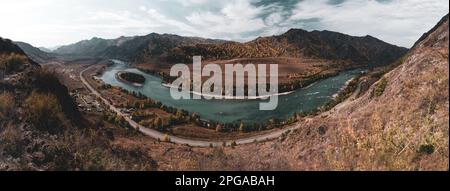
x=152, y=46
x=298, y=43
x=129, y=48
x=48, y=50
x=34, y=53
x=92, y=47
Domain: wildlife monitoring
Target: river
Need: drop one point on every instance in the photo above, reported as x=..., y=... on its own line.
x=231, y=111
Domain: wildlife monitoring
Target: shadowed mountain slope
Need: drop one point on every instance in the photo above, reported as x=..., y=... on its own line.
x=34, y=53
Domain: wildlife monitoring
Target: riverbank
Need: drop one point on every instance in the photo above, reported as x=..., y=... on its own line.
x=293, y=73
x=188, y=134
x=231, y=97
x=245, y=111
x=204, y=127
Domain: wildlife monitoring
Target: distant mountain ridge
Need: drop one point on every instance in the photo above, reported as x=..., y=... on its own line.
x=92, y=47
x=152, y=46
x=299, y=43
x=36, y=54
x=48, y=50
x=130, y=48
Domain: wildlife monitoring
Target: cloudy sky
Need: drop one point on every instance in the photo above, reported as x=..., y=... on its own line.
x=57, y=22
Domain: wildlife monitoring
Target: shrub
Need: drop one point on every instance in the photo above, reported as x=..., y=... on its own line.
x=273, y=123
x=12, y=63
x=219, y=128
x=45, y=81
x=11, y=140
x=242, y=128
x=7, y=104
x=426, y=149
x=379, y=88
x=44, y=112
x=158, y=123
x=166, y=138
x=233, y=144
x=96, y=160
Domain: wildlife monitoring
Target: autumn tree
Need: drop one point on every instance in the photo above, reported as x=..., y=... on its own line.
x=242, y=128
x=158, y=123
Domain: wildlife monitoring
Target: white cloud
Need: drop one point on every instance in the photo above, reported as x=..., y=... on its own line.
x=188, y=3
x=170, y=24
x=400, y=22
x=237, y=16
x=273, y=19
x=143, y=8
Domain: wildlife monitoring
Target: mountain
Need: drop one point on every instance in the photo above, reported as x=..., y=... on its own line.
x=48, y=50
x=93, y=47
x=130, y=48
x=401, y=122
x=8, y=47
x=152, y=46
x=294, y=43
x=298, y=43
x=13, y=60
x=34, y=53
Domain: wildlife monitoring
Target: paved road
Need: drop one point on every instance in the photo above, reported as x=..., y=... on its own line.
x=178, y=140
